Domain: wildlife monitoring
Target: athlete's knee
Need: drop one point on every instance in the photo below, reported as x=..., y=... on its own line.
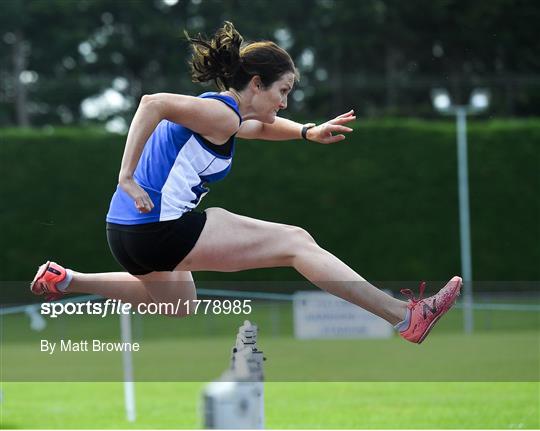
x=298, y=241
x=301, y=236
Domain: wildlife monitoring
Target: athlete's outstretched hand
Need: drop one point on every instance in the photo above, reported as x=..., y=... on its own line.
x=325, y=133
x=140, y=198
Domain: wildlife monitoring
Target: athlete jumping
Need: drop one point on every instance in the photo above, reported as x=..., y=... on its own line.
x=176, y=144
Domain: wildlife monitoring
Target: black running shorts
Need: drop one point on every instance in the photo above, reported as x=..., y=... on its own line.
x=161, y=246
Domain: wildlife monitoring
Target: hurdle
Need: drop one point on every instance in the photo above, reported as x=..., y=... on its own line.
x=236, y=399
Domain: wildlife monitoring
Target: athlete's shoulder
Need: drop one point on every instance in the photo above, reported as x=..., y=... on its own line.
x=204, y=115
x=226, y=99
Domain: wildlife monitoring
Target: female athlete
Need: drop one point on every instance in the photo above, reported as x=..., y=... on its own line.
x=175, y=145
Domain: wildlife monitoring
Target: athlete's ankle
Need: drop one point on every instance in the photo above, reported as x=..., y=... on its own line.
x=63, y=286
x=399, y=313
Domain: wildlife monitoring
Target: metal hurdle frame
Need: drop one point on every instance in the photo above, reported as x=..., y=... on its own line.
x=236, y=399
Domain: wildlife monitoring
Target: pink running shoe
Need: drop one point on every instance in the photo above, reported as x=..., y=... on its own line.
x=426, y=312
x=46, y=279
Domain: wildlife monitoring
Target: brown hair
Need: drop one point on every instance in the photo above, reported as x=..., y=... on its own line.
x=231, y=64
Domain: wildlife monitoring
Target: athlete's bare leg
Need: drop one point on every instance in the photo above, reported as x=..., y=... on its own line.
x=230, y=242
x=154, y=287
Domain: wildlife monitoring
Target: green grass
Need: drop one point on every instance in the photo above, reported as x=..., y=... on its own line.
x=196, y=349
x=446, y=357
x=288, y=405
x=490, y=378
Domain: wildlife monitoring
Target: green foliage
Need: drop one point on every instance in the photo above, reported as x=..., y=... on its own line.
x=380, y=56
x=385, y=200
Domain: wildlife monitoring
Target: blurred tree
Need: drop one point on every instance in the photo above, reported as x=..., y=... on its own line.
x=15, y=59
x=378, y=56
x=46, y=68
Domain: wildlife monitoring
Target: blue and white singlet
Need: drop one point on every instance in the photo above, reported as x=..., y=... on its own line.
x=175, y=164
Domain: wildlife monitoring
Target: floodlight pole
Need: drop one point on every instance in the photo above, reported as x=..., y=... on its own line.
x=464, y=217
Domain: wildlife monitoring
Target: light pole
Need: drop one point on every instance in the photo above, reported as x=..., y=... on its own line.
x=479, y=102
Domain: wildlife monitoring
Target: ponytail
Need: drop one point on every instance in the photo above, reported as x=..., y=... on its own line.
x=217, y=59
x=230, y=64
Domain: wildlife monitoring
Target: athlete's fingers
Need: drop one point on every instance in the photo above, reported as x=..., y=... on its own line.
x=139, y=204
x=143, y=203
x=144, y=209
x=334, y=138
x=342, y=120
x=335, y=128
x=148, y=202
x=351, y=112
x=143, y=206
x=345, y=118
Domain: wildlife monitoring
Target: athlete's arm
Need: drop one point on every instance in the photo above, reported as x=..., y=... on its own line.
x=208, y=117
x=283, y=129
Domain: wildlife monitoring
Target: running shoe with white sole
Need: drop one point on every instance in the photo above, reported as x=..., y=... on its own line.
x=46, y=280
x=425, y=312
